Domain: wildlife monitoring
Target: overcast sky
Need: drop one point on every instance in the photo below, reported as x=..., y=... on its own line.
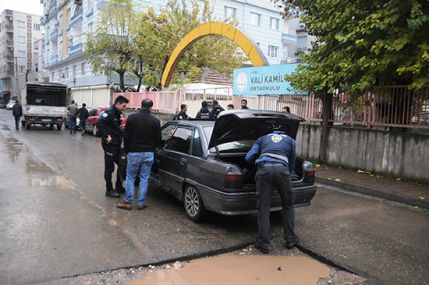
x=26, y=6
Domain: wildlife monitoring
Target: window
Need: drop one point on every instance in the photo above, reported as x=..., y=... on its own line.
x=74, y=71
x=36, y=27
x=36, y=55
x=272, y=51
x=197, y=149
x=90, y=27
x=21, y=53
x=21, y=39
x=22, y=68
x=53, y=76
x=255, y=19
x=68, y=16
x=229, y=12
x=67, y=72
x=21, y=24
x=274, y=23
x=180, y=140
x=166, y=133
x=83, y=68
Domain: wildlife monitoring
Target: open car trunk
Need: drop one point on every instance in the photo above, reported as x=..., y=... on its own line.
x=249, y=170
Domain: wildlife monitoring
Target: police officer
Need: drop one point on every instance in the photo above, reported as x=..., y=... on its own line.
x=204, y=113
x=182, y=114
x=275, y=156
x=109, y=126
x=216, y=109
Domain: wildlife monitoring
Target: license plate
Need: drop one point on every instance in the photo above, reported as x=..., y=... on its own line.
x=46, y=120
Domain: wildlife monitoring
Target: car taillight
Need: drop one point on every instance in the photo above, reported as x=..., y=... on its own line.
x=311, y=173
x=234, y=181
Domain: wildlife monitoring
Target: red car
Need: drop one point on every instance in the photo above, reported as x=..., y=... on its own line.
x=93, y=117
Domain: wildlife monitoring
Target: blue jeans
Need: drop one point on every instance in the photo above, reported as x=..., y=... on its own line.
x=138, y=163
x=82, y=124
x=72, y=123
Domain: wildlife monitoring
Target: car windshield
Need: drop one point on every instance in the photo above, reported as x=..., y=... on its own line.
x=229, y=147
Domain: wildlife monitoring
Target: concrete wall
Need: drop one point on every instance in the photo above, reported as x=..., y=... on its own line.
x=393, y=153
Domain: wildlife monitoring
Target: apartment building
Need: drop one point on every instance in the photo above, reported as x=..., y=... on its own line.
x=18, y=56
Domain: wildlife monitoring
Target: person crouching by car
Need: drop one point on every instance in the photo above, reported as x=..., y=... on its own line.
x=275, y=156
x=109, y=126
x=17, y=113
x=141, y=137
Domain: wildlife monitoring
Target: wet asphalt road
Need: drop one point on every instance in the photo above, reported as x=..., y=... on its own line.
x=55, y=221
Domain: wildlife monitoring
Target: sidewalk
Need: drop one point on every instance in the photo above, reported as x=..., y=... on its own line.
x=413, y=194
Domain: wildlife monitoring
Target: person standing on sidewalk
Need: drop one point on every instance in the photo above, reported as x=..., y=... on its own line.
x=244, y=104
x=204, y=113
x=275, y=156
x=109, y=126
x=72, y=108
x=83, y=115
x=17, y=113
x=216, y=109
x=182, y=114
x=142, y=136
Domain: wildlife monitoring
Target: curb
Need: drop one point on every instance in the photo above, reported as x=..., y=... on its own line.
x=373, y=192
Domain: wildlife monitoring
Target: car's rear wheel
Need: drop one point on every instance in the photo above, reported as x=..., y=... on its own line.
x=193, y=203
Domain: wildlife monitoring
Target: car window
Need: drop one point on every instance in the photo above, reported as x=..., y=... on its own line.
x=167, y=132
x=92, y=112
x=180, y=140
x=197, y=149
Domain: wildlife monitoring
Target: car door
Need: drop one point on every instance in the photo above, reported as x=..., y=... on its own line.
x=173, y=160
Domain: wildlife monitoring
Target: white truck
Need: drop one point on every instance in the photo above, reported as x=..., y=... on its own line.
x=44, y=103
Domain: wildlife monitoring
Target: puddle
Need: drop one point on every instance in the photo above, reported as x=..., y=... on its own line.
x=241, y=270
x=50, y=181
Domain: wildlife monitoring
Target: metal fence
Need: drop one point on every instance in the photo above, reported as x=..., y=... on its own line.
x=391, y=106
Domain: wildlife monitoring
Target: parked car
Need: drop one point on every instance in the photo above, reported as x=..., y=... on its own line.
x=9, y=106
x=421, y=118
x=202, y=163
x=94, y=114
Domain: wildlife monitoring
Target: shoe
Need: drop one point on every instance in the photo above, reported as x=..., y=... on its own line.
x=112, y=194
x=262, y=249
x=292, y=244
x=124, y=205
x=141, y=207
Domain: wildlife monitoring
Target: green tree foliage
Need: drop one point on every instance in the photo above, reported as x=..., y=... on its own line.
x=141, y=42
x=109, y=48
x=363, y=43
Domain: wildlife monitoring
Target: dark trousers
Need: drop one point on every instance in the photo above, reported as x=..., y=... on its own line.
x=17, y=118
x=112, y=155
x=268, y=177
x=72, y=124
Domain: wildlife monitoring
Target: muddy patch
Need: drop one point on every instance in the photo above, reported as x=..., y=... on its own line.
x=234, y=270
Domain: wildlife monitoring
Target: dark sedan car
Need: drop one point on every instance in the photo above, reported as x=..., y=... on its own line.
x=202, y=163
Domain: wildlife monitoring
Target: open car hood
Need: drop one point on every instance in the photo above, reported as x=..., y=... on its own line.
x=251, y=124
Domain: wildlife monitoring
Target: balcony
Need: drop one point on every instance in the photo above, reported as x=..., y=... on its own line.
x=9, y=28
x=75, y=48
x=289, y=38
x=77, y=17
x=54, y=35
x=8, y=43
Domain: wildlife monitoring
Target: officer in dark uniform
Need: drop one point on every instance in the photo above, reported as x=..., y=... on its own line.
x=204, y=113
x=182, y=114
x=109, y=126
x=216, y=109
x=275, y=156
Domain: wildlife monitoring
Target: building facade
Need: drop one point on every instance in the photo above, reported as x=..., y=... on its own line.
x=18, y=57
x=67, y=21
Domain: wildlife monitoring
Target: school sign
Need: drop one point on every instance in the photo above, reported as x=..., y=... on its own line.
x=264, y=80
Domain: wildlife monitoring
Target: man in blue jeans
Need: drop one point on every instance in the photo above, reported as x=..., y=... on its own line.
x=141, y=137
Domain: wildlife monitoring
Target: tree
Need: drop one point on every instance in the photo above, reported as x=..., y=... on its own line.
x=109, y=48
x=157, y=34
x=361, y=44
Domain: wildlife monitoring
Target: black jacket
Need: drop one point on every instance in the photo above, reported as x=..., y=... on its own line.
x=83, y=113
x=181, y=116
x=109, y=124
x=204, y=114
x=142, y=132
x=216, y=110
x=17, y=110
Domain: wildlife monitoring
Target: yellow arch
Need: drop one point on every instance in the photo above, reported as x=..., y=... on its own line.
x=212, y=28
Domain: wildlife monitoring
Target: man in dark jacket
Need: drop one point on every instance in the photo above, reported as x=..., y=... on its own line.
x=216, y=109
x=182, y=114
x=204, y=112
x=141, y=137
x=17, y=113
x=275, y=156
x=109, y=125
x=83, y=114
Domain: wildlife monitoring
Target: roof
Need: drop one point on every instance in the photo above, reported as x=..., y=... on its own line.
x=210, y=76
x=53, y=84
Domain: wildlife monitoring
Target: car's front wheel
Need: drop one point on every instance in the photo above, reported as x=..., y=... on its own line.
x=193, y=203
